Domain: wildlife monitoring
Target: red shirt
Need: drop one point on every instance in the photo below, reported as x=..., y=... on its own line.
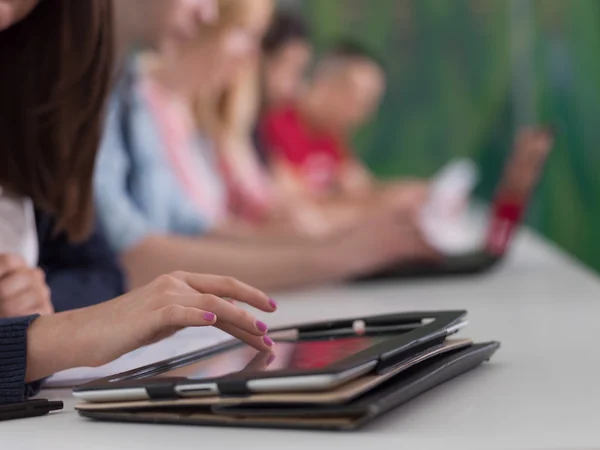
x=317, y=157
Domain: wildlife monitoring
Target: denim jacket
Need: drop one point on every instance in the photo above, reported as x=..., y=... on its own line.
x=137, y=193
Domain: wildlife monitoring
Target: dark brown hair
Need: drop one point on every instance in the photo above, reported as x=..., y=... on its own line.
x=54, y=80
x=284, y=28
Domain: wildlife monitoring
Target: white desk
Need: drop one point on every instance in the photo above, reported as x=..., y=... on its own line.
x=539, y=392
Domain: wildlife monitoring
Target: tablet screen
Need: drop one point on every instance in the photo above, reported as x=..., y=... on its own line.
x=291, y=355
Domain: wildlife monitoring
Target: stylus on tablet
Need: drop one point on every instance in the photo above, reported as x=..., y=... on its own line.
x=355, y=330
x=358, y=328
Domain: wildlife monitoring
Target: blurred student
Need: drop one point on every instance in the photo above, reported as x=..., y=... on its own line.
x=309, y=141
x=287, y=55
x=256, y=205
x=51, y=114
x=199, y=120
x=227, y=120
x=156, y=230
x=231, y=119
x=218, y=167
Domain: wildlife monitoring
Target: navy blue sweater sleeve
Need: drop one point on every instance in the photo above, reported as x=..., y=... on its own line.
x=78, y=275
x=13, y=360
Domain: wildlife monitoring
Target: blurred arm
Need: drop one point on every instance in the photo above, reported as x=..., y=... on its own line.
x=262, y=265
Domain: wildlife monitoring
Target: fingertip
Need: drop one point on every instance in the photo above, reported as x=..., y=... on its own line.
x=268, y=342
x=261, y=326
x=210, y=317
x=273, y=304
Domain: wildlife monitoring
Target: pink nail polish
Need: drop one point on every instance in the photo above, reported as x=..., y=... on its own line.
x=209, y=317
x=273, y=303
x=271, y=359
x=267, y=340
x=262, y=327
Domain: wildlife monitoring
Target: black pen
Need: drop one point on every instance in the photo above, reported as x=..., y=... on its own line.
x=31, y=408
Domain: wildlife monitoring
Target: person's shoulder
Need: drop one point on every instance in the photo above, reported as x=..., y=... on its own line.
x=126, y=87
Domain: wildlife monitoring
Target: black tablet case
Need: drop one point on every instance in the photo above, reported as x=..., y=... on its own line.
x=467, y=264
x=349, y=416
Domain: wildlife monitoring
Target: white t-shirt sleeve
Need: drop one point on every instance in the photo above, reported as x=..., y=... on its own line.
x=18, y=233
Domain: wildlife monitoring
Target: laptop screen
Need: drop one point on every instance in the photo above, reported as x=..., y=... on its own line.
x=519, y=180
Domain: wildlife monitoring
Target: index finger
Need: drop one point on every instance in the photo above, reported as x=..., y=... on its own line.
x=230, y=288
x=10, y=262
x=260, y=362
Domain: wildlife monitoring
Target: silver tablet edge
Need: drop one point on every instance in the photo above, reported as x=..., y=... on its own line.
x=113, y=395
x=308, y=383
x=303, y=383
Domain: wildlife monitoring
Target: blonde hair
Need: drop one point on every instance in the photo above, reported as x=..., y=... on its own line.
x=233, y=110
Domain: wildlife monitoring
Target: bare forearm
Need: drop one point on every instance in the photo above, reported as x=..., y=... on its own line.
x=282, y=233
x=267, y=267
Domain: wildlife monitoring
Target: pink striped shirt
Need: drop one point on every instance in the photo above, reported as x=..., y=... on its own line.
x=193, y=159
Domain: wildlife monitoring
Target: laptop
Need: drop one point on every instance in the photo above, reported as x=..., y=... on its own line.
x=517, y=184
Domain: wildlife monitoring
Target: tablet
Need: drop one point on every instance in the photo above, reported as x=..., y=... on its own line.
x=339, y=395
x=306, y=358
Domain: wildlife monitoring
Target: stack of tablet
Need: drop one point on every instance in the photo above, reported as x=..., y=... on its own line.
x=330, y=375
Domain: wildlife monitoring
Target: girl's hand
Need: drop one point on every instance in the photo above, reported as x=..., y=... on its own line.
x=99, y=334
x=23, y=290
